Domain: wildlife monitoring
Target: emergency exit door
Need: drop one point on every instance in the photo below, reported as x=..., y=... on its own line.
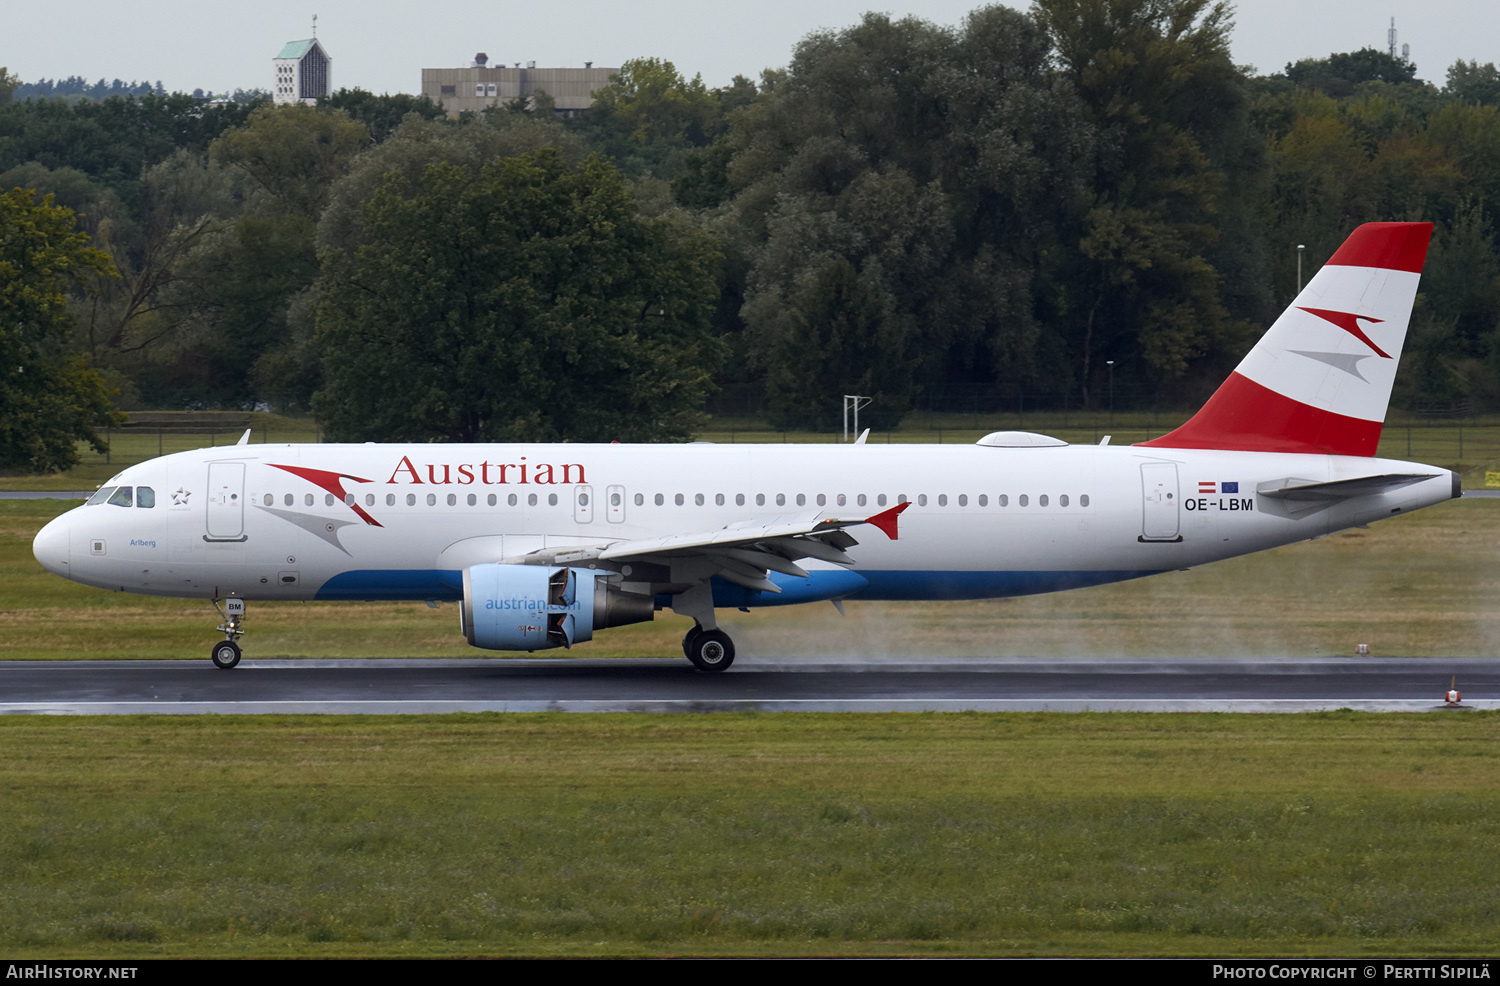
x=226, y=501
x=1160, y=502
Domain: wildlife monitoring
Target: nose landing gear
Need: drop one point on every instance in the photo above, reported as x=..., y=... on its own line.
x=226, y=653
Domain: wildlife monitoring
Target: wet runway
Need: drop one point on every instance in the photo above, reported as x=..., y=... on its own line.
x=770, y=685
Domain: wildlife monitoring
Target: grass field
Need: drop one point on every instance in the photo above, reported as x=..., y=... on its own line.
x=1469, y=446
x=905, y=834
x=1044, y=834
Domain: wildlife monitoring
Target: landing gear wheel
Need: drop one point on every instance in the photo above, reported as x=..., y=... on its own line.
x=687, y=641
x=226, y=654
x=710, y=650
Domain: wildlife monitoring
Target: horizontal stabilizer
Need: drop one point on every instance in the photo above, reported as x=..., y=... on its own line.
x=1306, y=489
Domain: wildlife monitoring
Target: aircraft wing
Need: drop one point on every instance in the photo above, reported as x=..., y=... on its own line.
x=741, y=553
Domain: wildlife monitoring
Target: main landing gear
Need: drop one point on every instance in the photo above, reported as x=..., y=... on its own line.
x=226, y=653
x=709, y=650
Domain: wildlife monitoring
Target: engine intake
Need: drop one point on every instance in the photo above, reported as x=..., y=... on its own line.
x=533, y=607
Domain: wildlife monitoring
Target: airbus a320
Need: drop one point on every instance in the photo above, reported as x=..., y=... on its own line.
x=545, y=545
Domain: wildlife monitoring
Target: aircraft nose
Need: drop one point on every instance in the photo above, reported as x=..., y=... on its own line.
x=51, y=546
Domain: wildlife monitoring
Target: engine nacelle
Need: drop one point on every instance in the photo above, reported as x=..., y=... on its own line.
x=534, y=607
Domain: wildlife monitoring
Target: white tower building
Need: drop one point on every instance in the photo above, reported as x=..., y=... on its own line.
x=304, y=72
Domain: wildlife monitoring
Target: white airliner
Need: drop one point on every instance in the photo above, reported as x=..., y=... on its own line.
x=545, y=544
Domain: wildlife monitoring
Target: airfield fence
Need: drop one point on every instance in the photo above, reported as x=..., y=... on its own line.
x=1470, y=445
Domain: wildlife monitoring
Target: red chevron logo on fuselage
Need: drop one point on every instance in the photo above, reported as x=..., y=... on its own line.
x=333, y=483
x=1348, y=321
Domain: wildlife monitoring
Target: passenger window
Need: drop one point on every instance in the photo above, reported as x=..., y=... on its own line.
x=861, y=500
x=921, y=499
x=880, y=500
x=781, y=499
x=452, y=499
x=1003, y=500
x=327, y=499
x=432, y=499
x=640, y=499
x=801, y=500
x=369, y=499
x=308, y=500
x=614, y=499
x=698, y=499
x=121, y=497
x=390, y=499
x=1042, y=500
x=411, y=499
x=531, y=499
x=760, y=499
x=473, y=499
x=269, y=499
x=739, y=499
x=145, y=496
x=678, y=498
x=288, y=499
x=984, y=500
x=963, y=499
x=349, y=499
x=551, y=499
x=1083, y=501
x=1062, y=501
x=842, y=499
x=942, y=499
x=101, y=497
x=1022, y=499
x=660, y=499
x=718, y=499
x=491, y=500
x=583, y=499
x=901, y=498
x=822, y=500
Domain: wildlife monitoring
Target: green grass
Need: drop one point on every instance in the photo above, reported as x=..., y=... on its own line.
x=1333, y=834
x=1471, y=447
x=1423, y=584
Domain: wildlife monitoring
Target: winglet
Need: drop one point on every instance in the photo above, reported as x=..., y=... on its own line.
x=245, y=438
x=886, y=519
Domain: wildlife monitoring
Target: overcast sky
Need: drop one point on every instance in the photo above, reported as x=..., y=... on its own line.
x=382, y=45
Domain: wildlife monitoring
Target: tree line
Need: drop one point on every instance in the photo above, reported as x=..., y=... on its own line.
x=1010, y=206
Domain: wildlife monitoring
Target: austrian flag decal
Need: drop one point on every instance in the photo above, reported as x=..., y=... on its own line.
x=1210, y=488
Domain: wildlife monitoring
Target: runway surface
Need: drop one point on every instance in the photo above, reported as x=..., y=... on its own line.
x=594, y=685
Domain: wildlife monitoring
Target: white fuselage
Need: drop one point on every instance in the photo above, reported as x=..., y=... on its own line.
x=404, y=521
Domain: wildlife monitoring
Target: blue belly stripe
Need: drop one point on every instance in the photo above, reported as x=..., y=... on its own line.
x=392, y=584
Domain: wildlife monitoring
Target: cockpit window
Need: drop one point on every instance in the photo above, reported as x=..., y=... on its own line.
x=121, y=497
x=101, y=496
x=145, y=496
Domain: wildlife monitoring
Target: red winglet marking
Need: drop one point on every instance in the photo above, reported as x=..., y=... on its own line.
x=332, y=482
x=1347, y=322
x=1391, y=246
x=886, y=519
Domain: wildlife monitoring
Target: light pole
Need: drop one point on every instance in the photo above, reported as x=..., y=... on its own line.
x=1301, y=248
x=1111, y=364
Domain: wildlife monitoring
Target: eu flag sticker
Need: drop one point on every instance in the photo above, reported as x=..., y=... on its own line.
x=1229, y=487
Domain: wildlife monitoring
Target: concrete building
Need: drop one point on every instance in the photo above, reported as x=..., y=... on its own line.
x=482, y=85
x=304, y=73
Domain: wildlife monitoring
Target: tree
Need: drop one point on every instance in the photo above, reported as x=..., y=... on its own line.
x=1338, y=74
x=523, y=300
x=1470, y=82
x=1156, y=80
x=49, y=398
x=8, y=85
x=381, y=114
x=894, y=190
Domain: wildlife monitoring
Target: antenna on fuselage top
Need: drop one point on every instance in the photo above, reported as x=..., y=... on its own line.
x=245, y=438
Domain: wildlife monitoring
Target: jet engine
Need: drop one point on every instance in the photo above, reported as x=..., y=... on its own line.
x=533, y=607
